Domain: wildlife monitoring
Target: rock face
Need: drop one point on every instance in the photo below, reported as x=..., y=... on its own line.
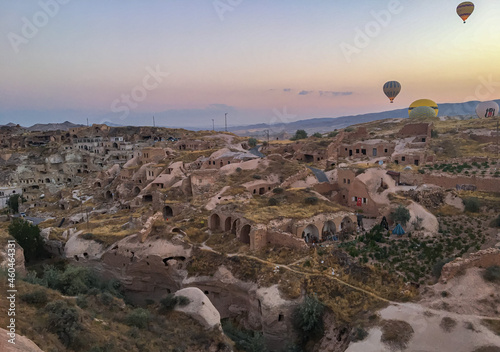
x=199, y=307
x=482, y=259
x=20, y=268
x=22, y=343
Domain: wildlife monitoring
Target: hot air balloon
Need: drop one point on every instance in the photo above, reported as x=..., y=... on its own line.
x=424, y=102
x=392, y=89
x=465, y=9
x=487, y=109
x=422, y=113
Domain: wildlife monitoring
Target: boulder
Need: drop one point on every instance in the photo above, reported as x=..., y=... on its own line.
x=199, y=307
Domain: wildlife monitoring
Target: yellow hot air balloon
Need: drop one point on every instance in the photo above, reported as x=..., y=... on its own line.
x=465, y=9
x=392, y=89
x=424, y=102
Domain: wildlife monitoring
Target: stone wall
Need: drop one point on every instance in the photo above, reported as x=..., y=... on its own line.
x=448, y=182
x=482, y=259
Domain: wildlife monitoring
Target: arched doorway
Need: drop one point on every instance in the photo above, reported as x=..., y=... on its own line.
x=245, y=234
x=234, y=227
x=347, y=225
x=227, y=224
x=214, y=222
x=109, y=195
x=310, y=234
x=329, y=230
x=168, y=212
x=137, y=190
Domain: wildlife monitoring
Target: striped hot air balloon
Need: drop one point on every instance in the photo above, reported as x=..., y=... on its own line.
x=465, y=9
x=424, y=102
x=392, y=89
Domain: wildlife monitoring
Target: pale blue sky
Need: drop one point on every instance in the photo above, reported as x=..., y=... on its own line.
x=92, y=52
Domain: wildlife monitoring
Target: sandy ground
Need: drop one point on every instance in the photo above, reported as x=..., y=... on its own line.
x=308, y=182
x=466, y=294
x=428, y=335
x=246, y=165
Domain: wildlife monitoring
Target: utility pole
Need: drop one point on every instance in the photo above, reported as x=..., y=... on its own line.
x=87, y=122
x=154, y=121
x=267, y=134
x=497, y=135
x=213, y=125
x=225, y=121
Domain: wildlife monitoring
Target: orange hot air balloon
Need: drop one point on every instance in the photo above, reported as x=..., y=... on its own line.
x=465, y=9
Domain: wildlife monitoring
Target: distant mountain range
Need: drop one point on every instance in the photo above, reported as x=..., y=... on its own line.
x=324, y=124
x=327, y=124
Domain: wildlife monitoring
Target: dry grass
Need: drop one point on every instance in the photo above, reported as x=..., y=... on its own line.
x=493, y=325
x=291, y=205
x=448, y=324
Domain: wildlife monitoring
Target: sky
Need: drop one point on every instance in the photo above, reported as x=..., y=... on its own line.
x=190, y=61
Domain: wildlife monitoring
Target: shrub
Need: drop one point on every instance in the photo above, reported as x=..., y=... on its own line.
x=438, y=267
x=396, y=333
x=333, y=134
x=38, y=296
x=472, y=204
x=496, y=222
x=139, y=318
x=492, y=274
x=447, y=324
x=28, y=237
x=272, y=202
x=183, y=301
x=359, y=334
x=64, y=321
x=434, y=134
x=257, y=177
x=317, y=135
x=349, y=129
x=239, y=169
x=106, y=298
x=401, y=215
x=279, y=190
x=249, y=341
x=252, y=142
x=307, y=318
x=299, y=134
x=81, y=301
x=311, y=200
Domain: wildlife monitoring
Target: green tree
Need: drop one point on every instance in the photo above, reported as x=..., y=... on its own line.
x=13, y=203
x=299, y=134
x=307, y=318
x=139, y=318
x=472, y=204
x=317, y=135
x=401, y=215
x=28, y=237
x=252, y=142
x=64, y=321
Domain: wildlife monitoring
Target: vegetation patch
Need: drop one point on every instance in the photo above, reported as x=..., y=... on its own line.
x=396, y=334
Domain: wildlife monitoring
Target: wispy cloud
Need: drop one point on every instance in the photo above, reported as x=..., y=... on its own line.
x=306, y=92
x=333, y=94
x=287, y=90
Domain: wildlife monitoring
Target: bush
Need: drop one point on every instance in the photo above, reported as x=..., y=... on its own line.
x=171, y=301
x=492, y=274
x=438, y=267
x=299, y=134
x=38, y=296
x=434, y=134
x=317, y=135
x=249, y=341
x=333, y=134
x=257, y=177
x=106, y=298
x=81, y=301
x=139, y=318
x=252, y=142
x=307, y=318
x=359, y=334
x=28, y=237
x=401, y=215
x=447, y=324
x=279, y=190
x=311, y=200
x=472, y=204
x=396, y=333
x=13, y=202
x=272, y=202
x=496, y=222
x=64, y=321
